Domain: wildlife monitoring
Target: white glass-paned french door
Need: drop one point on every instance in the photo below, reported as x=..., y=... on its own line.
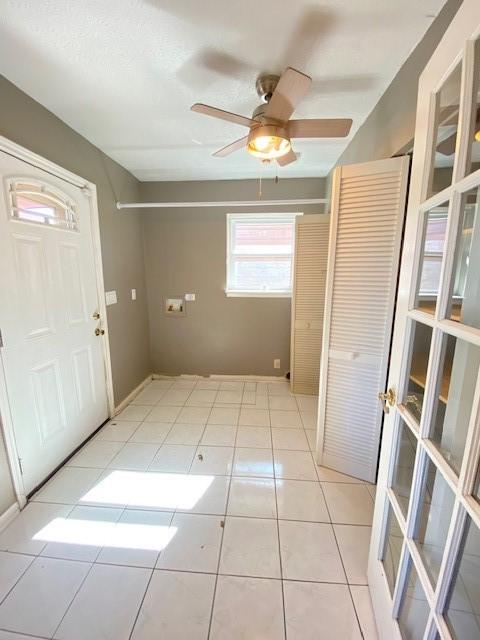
x=424, y=564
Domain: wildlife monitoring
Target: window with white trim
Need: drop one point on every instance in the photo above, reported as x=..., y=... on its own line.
x=260, y=254
x=34, y=201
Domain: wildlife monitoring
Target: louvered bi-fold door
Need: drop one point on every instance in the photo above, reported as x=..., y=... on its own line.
x=308, y=301
x=368, y=209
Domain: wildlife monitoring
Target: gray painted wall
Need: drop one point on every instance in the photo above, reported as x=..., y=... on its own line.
x=28, y=123
x=390, y=127
x=185, y=252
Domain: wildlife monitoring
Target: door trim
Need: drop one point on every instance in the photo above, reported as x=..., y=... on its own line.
x=89, y=188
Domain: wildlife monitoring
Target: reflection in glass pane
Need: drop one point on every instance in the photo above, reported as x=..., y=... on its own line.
x=474, y=155
x=434, y=232
x=456, y=387
x=446, y=132
x=392, y=549
x=476, y=490
x=417, y=369
x=465, y=296
x=434, y=520
x=404, y=462
x=414, y=610
x=463, y=604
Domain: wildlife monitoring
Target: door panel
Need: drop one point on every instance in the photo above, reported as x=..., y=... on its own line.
x=308, y=301
x=368, y=209
x=53, y=361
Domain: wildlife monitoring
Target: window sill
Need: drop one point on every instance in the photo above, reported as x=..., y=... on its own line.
x=258, y=294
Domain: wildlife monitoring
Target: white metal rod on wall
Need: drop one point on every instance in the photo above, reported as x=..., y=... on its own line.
x=230, y=203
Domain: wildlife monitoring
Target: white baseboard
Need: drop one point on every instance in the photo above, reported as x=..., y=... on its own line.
x=133, y=394
x=7, y=516
x=219, y=376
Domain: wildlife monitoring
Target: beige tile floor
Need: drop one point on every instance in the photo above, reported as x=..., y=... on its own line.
x=197, y=513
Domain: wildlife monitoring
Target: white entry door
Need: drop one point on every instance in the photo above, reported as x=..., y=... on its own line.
x=424, y=564
x=49, y=312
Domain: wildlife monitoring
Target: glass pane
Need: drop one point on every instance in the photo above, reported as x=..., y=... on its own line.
x=417, y=369
x=404, y=462
x=476, y=490
x=474, y=155
x=446, y=132
x=260, y=274
x=414, y=610
x=465, y=296
x=455, y=390
x=434, y=520
x=261, y=237
x=434, y=232
x=35, y=202
x=392, y=549
x=463, y=604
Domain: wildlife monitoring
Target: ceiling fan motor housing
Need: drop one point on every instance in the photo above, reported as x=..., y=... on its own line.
x=265, y=86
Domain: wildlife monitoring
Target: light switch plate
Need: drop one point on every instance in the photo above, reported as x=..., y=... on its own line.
x=190, y=297
x=110, y=297
x=134, y=294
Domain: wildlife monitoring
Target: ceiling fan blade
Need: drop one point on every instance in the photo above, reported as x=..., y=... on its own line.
x=290, y=91
x=319, y=128
x=447, y=146
x=288, y=158
x=222, y=115
x=230, y=148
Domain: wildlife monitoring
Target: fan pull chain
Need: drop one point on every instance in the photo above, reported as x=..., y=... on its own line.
x=260, y=188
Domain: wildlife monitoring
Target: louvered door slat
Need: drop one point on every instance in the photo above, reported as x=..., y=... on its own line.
x=368, y=205
x=310, y=268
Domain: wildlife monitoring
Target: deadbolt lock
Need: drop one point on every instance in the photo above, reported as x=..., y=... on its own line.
x=99, y=332
x=96, y=316
x=388, y=399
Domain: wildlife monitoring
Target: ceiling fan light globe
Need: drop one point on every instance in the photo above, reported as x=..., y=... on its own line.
x=268, y=142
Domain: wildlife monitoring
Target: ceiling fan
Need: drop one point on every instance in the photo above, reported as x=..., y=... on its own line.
x=271, y=129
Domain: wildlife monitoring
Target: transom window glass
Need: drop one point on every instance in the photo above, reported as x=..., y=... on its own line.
x=260, y=251
x=32, y=201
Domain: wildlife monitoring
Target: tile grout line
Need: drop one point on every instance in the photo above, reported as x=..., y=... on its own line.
x=160, y=552
x=2, y=600
x=214, y=595
x=239, y=407
x=343, y=565
x=334, y=535
x=278, y=528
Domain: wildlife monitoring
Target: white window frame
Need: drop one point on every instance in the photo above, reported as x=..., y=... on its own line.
x=237, y=293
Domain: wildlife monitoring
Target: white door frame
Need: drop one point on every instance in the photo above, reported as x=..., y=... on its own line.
x=21, y=153
x=457, y=44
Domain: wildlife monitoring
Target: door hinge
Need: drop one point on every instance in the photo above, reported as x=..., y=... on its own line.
x=1, y=339
x=20, y=465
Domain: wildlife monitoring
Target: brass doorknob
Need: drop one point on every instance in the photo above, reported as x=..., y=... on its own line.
x=388, y=399
x=99, y=332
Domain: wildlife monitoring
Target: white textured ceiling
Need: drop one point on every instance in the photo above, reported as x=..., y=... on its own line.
x=124, y=72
